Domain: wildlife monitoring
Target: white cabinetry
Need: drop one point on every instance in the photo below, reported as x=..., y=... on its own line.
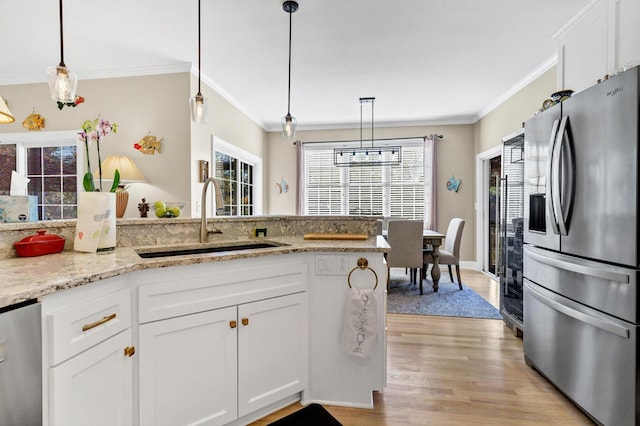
x=337, y=378
x=87, y=361
x=602, y=39
x=188, y=369
x=221, y=341
x=272, y=351
x=625, y=32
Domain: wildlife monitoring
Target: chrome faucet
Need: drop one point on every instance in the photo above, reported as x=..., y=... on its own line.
x=204, y=229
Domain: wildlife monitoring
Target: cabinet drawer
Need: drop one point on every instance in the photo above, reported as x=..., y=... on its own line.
x=185, y=290
x=86, y=324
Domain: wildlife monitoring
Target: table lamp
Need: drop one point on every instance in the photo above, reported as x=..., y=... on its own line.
x=129, y=173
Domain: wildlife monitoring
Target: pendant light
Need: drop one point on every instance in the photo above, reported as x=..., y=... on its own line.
x=62, y=81
x=288, y=121
x=199, y=104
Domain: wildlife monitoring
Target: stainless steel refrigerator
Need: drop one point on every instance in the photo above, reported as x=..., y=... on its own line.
x=581, y=258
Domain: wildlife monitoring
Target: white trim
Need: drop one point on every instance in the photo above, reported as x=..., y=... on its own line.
x=464, y=264
x=110, y=73
x=528, y=79
x=232, y=100
x=47, y=138
x=571, y=22
x=480, y=205
x=220, y=145
x=50, y=137
x=443, y=121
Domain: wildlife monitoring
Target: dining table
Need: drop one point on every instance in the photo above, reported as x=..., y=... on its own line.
x=433, y=239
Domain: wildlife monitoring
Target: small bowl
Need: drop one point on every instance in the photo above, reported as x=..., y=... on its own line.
x=561, y=95
x=173, y=209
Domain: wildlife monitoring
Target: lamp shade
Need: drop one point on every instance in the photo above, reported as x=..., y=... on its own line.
x=5, y=115
x=129, y=172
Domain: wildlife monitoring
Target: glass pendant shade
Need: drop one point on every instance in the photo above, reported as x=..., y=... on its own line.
x=199, y=108
x=199, y=104
x=62, y=84
x=289, y=123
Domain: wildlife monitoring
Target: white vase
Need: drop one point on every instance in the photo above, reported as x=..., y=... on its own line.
x=96, y=222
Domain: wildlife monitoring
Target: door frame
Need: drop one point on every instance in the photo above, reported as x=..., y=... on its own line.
x=482, y=205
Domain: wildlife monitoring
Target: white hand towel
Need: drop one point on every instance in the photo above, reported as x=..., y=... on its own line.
x=360, y=324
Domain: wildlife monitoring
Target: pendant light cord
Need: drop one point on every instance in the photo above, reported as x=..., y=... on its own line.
x=199, y=93
x=289, y=87
x=360, y=123
x=61, y=38
x=372, y=102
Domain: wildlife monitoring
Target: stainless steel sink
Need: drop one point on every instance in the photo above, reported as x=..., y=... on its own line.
x=211, y=249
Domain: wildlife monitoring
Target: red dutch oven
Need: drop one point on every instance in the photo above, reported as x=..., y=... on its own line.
x=37, y=245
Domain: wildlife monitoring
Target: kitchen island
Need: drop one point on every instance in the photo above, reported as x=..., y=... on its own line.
x=223, y=337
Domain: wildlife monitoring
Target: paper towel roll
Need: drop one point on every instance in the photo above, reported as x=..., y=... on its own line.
x=108, y=236
x=96, y=222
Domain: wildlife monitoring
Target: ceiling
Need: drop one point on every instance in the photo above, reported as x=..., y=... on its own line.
x=425, y=61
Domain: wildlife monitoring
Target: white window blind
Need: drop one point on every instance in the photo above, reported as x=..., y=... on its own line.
x=389, y=190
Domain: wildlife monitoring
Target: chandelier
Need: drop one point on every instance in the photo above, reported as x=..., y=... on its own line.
x=367, y=156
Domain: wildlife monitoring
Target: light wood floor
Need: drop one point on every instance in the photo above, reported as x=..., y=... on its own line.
x=457, y=371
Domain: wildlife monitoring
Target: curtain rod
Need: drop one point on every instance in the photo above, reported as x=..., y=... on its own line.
x=433, y=136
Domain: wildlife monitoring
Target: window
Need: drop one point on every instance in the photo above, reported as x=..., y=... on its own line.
x=390, y=190
x=8, y=161
x=238, y=173
x=54, y=179
x=50, y=161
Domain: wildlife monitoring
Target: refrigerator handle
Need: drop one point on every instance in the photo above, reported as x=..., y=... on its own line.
x=552, y=177
x=502, y=233
x=584, y=317
x=578, y=268
x=565, y=146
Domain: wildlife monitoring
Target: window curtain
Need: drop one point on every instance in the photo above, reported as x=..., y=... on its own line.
x=430, y=187
x=299, y=178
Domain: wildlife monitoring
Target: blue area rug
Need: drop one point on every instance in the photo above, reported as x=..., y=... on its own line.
x=404, y=298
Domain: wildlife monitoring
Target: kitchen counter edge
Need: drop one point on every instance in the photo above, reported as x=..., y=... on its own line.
x=28, y=278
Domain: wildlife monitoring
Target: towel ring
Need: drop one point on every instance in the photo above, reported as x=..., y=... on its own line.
x=363, y=264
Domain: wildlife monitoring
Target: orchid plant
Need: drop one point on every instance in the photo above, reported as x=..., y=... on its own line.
x=95, y=131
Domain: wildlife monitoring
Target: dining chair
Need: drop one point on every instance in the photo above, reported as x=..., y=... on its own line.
x=405, y=238
x=450, y=255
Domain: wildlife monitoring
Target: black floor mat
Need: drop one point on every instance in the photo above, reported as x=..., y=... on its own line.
x=311, y=415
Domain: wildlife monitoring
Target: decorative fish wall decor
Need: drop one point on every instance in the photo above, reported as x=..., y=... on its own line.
x=148, y=145
x=453, y=184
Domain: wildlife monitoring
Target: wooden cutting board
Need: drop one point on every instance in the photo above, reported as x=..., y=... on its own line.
x=334, y=236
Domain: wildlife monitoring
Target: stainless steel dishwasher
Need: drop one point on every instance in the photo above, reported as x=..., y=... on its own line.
x=20, y=365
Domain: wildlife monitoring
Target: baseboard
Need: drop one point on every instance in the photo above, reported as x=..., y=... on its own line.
x=469, y=264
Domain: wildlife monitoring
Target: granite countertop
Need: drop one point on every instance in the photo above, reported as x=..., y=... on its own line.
x=34, y=277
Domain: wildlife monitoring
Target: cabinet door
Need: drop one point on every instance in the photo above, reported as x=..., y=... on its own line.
x=188, y=369
x=95, y=387
x=627, y=33
x=272, y=350
x=583, y=49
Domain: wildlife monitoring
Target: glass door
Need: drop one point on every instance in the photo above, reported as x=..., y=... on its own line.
x=511, y=224
x=493, y=241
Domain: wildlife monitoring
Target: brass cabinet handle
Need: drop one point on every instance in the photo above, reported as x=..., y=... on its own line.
x=233, y=324
x=129, y=351
x=99, y=322
x=245, y=321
